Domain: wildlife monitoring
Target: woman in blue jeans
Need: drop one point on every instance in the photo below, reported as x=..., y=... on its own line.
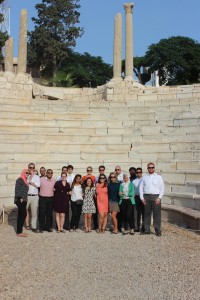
x=127, y=202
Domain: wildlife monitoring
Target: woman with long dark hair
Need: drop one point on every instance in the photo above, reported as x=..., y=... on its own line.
x=88, y=203
x=21, y=195
x=61, y=201
x=76, y=202
x=102, y=202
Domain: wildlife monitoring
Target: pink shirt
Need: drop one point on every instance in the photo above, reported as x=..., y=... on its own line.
x=47, y=187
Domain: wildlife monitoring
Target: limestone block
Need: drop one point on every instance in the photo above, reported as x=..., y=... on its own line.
x=94, y=104
x=101, y=131
x=118, y=147
x=183, y=189
x=104, y=156
x=192, y=176
x=150, y=130
x=105, y=139
x=188, y=165
x=171, y=176
x=132, y=139
x=196, y=155
x=148, y=97
x=166, y=200
x=186, y=122
x=68, y=123
x=178, y=155
x=184, y=202
x=152, y=138
x=93, y=124
x=170, y=166
x=22, y=129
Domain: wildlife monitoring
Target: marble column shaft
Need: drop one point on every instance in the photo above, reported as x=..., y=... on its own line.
x=117, y=55
x=9, y=55
x=22, y=51
x=129, y=41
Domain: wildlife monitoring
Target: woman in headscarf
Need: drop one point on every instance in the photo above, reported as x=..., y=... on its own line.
x=21, y=195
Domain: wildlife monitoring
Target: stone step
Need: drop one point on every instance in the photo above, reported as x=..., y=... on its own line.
x=182, y=187
x=187, y=200
x=181, y=216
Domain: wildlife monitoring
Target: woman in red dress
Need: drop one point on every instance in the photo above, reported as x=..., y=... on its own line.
x=102, y=202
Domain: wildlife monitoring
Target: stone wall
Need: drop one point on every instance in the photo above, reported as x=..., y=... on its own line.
x=15, y=86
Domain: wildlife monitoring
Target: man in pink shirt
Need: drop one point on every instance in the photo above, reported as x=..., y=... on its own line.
x=46, y=201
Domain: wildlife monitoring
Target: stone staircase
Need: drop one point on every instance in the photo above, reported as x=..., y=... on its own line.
x=114, y=124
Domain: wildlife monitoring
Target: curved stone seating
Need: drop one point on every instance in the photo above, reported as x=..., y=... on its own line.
x=181, y=216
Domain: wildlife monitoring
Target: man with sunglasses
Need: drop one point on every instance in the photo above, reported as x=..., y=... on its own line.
x=33, y=198
x=46, y=201
x=119, y=174
x=151, y=192
x=138, y=203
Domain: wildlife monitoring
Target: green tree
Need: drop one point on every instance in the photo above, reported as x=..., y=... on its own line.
x=177, y=60
x=3, y=35
x=85, y=69
x=55, y=32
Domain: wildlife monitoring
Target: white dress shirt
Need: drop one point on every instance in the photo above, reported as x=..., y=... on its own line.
x=151, y=184
x=120, y=177
x=35, y=179
x=136, y=182
x=77, y=193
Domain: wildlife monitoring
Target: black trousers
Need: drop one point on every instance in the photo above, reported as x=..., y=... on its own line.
x=156, y=209
x=140, y=211
x=95, y=217
x=21, y=215
x=76, y=215
x=45, y=212
x=127, y=213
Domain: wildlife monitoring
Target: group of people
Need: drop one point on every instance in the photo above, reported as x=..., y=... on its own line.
x=94, y=196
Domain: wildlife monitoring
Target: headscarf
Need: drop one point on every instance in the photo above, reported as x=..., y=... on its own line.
x=23, y=176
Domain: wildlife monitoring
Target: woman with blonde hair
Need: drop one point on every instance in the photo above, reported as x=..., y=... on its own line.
x=21, y=195
x=113, y=196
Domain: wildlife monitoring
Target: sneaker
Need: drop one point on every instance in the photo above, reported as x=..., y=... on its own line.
x=35, y=230
x=132, y=232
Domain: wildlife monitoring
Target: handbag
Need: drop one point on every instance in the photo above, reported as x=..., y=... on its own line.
x=79, y=202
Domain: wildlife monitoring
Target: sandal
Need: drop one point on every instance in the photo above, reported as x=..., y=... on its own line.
x=27, y=227
x=63, y=230
x=22, y=234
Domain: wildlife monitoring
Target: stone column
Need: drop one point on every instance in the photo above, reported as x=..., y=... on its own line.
x=129, y=41
x=117, y=55
x=22, y=51
x=9, y=55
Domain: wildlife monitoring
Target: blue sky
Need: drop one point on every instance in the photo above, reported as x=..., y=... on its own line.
x=152, y=20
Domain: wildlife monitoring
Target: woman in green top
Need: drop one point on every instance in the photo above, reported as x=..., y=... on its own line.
x=127, y=202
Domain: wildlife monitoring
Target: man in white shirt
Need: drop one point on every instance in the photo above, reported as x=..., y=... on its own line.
x=119, y=174
x=70, y=175
x=151, y=192
x=33, y=198
x=138, y=203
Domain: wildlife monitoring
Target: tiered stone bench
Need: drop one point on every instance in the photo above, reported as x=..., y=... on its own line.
x=119, y=123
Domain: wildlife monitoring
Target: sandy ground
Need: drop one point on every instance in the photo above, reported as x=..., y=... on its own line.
x=100, y=266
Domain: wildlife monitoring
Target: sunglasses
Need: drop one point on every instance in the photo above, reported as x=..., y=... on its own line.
x=117, y=169
x=89, y=170
x=102, y=170
x=49, y=172
x=113, y=177
x=31, y=167
x=138, y=172
x=102, y=177
x=151, y=167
